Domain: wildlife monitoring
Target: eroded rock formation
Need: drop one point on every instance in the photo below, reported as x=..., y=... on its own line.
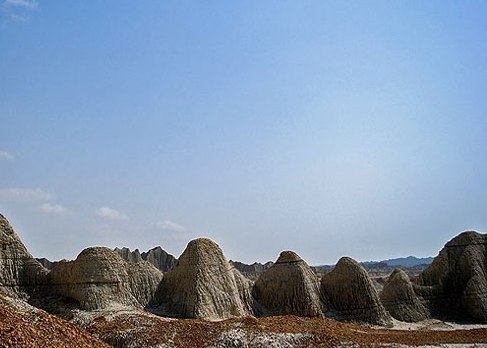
x=128, y=255
x=289, y=286
x=252, y=271
x=159, y=258
x=203, y=284
x=400, y=300
x=100, y=278
x=156, y=256
x=348, y=294
x=455, y=284
x=20, y=274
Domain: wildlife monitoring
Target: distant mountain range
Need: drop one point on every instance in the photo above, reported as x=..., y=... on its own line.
x=409, y=261
x=419, y=263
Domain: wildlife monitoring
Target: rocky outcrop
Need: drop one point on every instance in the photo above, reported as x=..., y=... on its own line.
x=128, y=255
x=159, y=258
x=455, y=285
x=256, y=267
x=45, y=263
x=144, y=281
x=245, y=288
x=348, y=294
x=400, y=300
x=100, y=278
x=289, y=286
x=20, y=274
x=203, y=285
x=156, y=256
x=252, y=271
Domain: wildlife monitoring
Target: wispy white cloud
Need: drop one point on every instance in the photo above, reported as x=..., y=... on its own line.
x=25, y=195
x=53, y=209
x=29, y=4
x=172, y=232
x=110, y=214
x=18, y=10
x=7, y=155
x=167, y=225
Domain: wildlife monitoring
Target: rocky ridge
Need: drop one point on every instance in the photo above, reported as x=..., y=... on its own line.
x=156, y=256
x=252, y=271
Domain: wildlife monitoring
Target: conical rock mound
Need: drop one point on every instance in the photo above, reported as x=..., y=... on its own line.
x=455, y=284
x=400, y=300
x=99, y=278
x=349, y=294
x=20, y=273
x=289, y=286
x=203, y=285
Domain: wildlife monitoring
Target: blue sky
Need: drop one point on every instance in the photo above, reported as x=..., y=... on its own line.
x=330, y=128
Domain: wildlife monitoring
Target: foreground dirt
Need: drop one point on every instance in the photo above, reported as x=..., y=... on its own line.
x=281, y=331
x=22, y=325
x=32, y=328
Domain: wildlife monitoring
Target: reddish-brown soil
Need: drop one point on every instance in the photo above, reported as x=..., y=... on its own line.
x=40, y=329
x=325, y=332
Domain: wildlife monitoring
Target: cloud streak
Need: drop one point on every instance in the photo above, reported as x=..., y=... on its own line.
x=28, y=4
x=53, y=209
x=110, y=214
x=5, y=155
x=25, y=195
x=167, y=225
x=18, y=10
x=172, y=231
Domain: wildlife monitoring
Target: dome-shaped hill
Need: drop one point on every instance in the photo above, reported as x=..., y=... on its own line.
x=289, y=286
x=399, y=298
x=455, y=284
x=203, y=285
x=99, y=277
x=348, y=294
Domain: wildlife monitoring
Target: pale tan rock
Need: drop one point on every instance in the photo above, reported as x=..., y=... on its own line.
x=244, y=287
x=348, y=294
x=99, y=278
x=289, y=286
x=400, y=300
x=203, y=285
x=144, y=281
